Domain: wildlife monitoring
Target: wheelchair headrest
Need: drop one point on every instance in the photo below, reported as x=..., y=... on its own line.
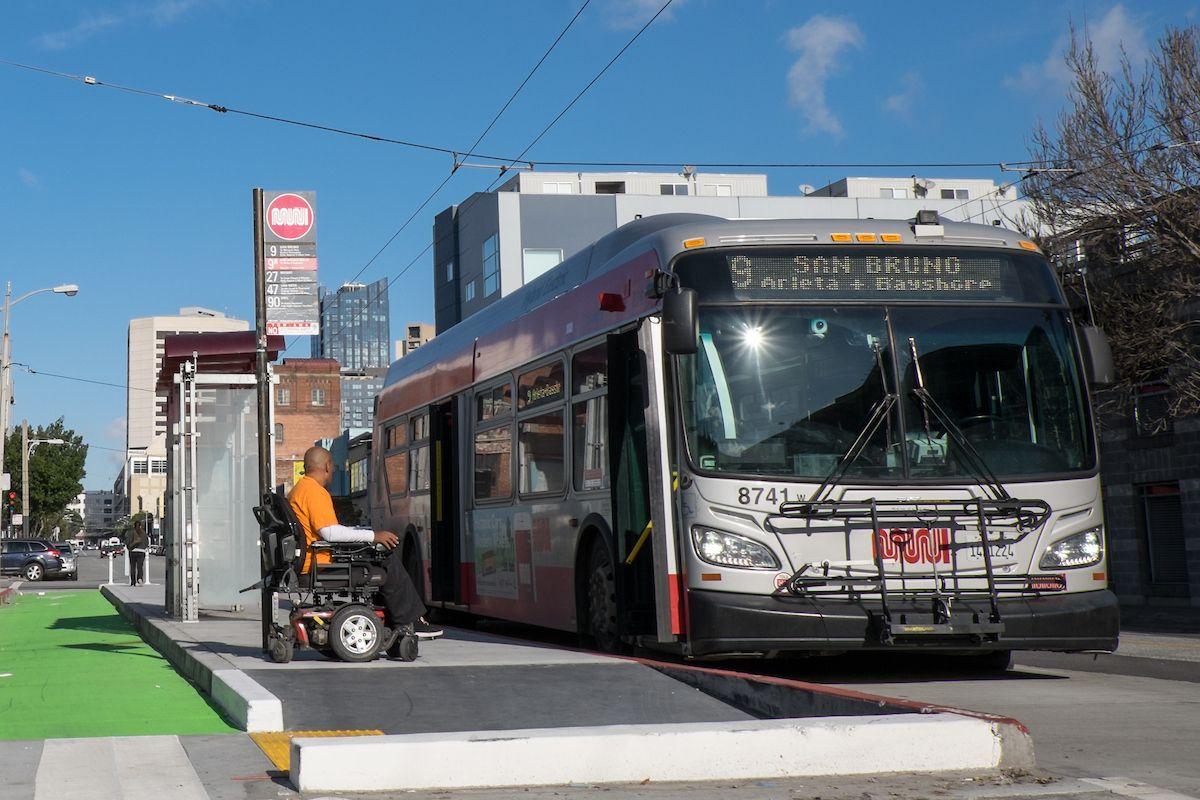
x=281, y=533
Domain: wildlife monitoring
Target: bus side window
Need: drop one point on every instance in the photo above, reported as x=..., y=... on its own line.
x=589, y=418
x=418, y=463
x=542, y=440
x=395, y=458
x=493, y=445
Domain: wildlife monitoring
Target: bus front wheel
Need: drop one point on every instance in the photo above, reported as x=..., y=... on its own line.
x=602, y=598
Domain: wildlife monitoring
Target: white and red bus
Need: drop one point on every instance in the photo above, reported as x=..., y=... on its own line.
x=757, y=436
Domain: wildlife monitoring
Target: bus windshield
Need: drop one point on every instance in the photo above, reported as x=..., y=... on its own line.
x=784, y=390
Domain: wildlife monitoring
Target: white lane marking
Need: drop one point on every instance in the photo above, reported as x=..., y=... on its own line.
x=117, y=768
x=1132, y=788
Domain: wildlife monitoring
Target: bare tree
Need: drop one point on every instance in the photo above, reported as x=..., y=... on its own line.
x=1119, y=209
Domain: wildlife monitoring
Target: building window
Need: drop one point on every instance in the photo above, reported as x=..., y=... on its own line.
x=358, y=476
x=469, y=291
x=718, y=189
x=1162, y=521
x=673, y=188
x=318, y=397
x=158, y=466
x=283, y=396
x=140, y=467
x=557, y=187
x=888, y=193
x=955, y=194
x=449, y=270
x=278, y=433
x=491, y=265
x=1151, y=409
x=610, y=187
x=538, y=261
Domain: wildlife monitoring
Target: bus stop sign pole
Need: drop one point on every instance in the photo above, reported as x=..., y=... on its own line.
x=264, y=388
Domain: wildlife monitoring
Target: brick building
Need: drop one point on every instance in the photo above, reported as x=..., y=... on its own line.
x=308, y=407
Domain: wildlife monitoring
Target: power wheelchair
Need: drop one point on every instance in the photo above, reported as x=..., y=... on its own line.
x=333, y=604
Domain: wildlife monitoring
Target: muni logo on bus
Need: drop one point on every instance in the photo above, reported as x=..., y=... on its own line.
x=914, y=545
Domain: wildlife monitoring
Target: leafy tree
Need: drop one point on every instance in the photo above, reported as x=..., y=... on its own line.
x=1118, y=210
x=55, y=472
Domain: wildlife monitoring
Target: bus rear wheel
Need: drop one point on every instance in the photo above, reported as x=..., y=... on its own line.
x=602, y=599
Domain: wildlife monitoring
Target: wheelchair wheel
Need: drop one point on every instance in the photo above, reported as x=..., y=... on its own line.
x=405, y=648
x=355, y=633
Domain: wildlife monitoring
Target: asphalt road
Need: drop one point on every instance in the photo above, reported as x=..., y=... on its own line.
x=93, y=573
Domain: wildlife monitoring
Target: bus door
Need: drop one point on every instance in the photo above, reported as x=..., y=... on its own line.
x=444, y=542
x=643, y=512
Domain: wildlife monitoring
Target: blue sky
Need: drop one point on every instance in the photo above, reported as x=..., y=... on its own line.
x=145, y=204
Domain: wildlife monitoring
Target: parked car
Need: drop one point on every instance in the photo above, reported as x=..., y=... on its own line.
x=112, y=547
x=32, y=559
x=70, y=568
x=158, y=550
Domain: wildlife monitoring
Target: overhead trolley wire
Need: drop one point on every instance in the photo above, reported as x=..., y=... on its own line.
x=537, y=138
x=454, y=169
x=459, y=155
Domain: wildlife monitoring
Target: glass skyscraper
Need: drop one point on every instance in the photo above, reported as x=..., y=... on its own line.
x=355, y=331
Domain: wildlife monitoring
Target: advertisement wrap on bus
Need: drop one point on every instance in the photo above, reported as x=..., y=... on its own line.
x=757, y=437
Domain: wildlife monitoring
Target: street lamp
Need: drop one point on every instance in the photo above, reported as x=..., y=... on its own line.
x=68, y=289
x=26, y=452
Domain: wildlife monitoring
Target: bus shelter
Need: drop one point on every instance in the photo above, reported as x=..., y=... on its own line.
x=211, y=535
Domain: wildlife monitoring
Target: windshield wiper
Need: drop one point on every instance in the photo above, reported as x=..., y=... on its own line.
x=880, y=413
x=971, y=457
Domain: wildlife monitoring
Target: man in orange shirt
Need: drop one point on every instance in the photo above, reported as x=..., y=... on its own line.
x=313, y=508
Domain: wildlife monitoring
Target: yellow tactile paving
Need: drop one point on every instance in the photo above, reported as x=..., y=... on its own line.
x=277, y=745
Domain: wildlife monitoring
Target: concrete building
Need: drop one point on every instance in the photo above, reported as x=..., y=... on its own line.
x=142, y=482
x=308, y=404
x=495, y=242
x=415, y=335
x=99, y=512
x=356, y=332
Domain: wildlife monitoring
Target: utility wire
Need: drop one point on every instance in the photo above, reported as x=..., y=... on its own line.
x=536, y=139
x=77, y=379
x=468, y=154
x=459, y=156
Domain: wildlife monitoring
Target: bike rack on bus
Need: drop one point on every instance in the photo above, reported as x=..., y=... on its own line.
x=1023, y=516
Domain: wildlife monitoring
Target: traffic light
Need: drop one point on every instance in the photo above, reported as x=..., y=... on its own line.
x=12, y=501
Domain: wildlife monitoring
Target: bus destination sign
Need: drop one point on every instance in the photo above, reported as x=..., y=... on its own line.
x=855, y=276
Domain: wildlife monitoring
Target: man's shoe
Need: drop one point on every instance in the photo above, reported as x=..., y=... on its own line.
x=424, y=630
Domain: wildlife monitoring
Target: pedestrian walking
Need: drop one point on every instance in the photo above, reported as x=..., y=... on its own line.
x=136, y=543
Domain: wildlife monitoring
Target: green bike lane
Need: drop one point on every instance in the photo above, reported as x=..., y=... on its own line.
x=71, y=666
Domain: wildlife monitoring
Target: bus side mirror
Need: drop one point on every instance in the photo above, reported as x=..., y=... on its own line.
x=1097, y=356
x=681, y=328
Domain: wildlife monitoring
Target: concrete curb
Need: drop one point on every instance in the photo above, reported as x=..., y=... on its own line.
x=701, y=751
x=244, y=701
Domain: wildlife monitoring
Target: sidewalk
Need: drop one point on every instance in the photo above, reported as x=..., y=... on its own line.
x=421, y=725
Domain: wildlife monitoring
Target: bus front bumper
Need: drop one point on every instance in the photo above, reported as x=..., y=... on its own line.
x=725, y=622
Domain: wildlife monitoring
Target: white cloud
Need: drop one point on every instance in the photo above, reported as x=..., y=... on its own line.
x=1115, y=30
x=819, y=42
x=901, y=102
x=28, y=178
x=160, y=13
x=634, y=13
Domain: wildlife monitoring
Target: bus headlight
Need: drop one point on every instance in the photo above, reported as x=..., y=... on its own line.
x=730, y=550
x=1077, y=550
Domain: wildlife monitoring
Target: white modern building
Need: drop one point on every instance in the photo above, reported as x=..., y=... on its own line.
x=142, y=482
x=493, y=243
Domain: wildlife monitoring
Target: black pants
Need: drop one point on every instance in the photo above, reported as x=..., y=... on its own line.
x=400, y=597
x=137, y=567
